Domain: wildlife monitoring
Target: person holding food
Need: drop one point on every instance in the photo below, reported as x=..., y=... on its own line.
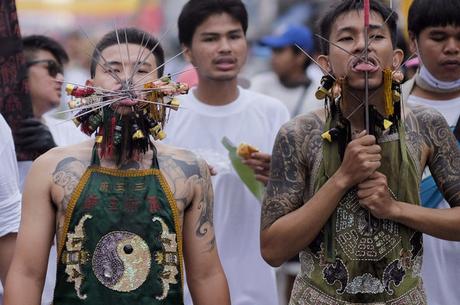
x=213, y=37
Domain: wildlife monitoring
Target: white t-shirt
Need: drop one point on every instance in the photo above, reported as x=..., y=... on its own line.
x=298, y=100
x=64, y=133
x=255, y=119
x=10, y=197
x=441, y=258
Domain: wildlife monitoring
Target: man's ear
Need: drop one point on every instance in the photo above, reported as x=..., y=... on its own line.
x=323, y=61
x=398, y=56
x=412, y=43
x=187, y=53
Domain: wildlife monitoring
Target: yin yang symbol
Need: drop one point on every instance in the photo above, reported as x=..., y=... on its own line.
x=121, y=261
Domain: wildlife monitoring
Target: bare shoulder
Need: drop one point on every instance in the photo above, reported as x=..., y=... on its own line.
x=297, y=147
x=185, y=173
x=57, y=162
x=305, y=127
x=173, y=158
x=442, y=152
x=55, y=175
x=429, y=129
x=301, y=137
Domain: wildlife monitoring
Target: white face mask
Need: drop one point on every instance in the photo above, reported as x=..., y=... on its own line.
x=425, y=78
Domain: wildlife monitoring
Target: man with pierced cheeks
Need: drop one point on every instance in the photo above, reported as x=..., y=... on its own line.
x=356, y=219
x=122, y=227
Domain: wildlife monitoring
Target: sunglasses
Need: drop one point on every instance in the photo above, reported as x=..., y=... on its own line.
x=52, y=66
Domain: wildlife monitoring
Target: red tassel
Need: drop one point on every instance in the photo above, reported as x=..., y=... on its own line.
x=85, y=128
x=109, y=137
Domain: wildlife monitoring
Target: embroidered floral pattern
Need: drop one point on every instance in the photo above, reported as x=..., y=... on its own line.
x=336, y=272
x=305, y=294
x=308, y=264
x=168, y=258
x=74, y=256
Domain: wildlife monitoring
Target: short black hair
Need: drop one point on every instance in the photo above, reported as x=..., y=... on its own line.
x=34, y=43
x=195, y=12
x=128, y=35
x=326, y=21
x=427, y=13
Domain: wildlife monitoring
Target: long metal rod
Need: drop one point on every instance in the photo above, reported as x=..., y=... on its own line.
x=366, y=57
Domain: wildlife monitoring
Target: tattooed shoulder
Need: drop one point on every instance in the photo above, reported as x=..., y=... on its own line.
x=66, y=176
x=190, y=182
x=430, y=126
x=297, y=146
x=302, y=135
x=444, y=155
x=416, y=142
x=183, y=170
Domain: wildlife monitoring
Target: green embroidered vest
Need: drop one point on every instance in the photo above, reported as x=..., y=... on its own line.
x=359, y=259
x=121, y=242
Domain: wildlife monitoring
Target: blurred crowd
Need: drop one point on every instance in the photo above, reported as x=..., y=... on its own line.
x=282, y=52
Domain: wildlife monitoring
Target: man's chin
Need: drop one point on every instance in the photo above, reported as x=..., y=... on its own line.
x=55, y=104
x=360, y=85
x=224, y=76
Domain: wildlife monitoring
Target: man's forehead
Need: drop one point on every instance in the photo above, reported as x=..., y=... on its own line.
x=219, y=24
x=354, y=19
x=44, y=54
x=128, y=53
x=451, y=28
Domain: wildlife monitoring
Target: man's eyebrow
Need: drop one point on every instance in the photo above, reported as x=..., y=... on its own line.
x=144, y=63
x=437, y=32
x=354, y=29
x=117, y=63
x=346, y=29
x=236, y=31
x=113, y=63
x=376, y=26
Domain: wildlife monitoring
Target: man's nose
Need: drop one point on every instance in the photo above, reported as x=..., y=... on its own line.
x=224, y=45
x=452, y=46
x=361, y=44
x=60, y=76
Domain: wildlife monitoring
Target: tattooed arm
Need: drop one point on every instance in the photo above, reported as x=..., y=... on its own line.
x=205, y=276
x=35, y=236
x=443, y=159
x=289, y=224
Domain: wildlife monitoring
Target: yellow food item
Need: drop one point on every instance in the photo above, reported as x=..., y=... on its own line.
x=245, y=150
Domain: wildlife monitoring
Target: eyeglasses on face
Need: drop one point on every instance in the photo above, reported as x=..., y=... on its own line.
x=52, y=66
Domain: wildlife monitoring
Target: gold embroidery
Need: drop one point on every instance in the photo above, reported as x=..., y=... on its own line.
x=104, y=187
x=168, y=259
x=120, y=187
x=74, y=256
x=173, y=206
x=139, y=187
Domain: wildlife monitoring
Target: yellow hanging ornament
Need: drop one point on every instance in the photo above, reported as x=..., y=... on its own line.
x=388, y=92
